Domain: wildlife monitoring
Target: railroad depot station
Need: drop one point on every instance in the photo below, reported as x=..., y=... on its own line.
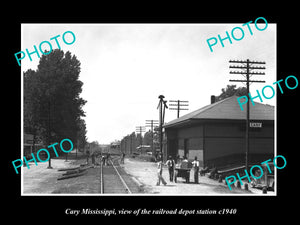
x=216, y=134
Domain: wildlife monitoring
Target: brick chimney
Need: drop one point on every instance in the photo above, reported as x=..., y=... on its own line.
x=212, y=99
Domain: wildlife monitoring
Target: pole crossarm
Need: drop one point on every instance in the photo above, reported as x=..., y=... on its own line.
x=247, y=61
x=255, y=73
x=255, y=81
x=177, y=109
x=244, y=67
x=178, y=100
x=140, y=129
x=179, y=104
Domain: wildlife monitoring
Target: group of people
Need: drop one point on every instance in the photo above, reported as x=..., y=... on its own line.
x=104, y=158
x=170, y=163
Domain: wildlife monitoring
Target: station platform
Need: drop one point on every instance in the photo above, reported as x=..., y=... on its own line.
x=145, y=173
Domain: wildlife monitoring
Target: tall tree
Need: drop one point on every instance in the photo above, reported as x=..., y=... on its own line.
x=231, y=90
x=52, y=104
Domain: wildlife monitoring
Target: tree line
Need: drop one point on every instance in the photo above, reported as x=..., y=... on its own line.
x=131, y=141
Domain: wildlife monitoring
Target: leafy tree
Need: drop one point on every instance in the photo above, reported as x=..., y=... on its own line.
x=94, y=147
x=147, y=140
x=81, y=135
x=231, y=90
x=52, y=106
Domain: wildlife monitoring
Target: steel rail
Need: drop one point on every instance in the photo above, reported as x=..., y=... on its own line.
x=122, y=180
x=101, y=178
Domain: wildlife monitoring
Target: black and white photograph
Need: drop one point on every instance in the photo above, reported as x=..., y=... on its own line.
x=148, y=109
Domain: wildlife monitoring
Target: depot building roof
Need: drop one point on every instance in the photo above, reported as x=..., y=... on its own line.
x=226, y=109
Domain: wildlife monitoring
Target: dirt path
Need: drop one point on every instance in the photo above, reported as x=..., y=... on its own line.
x=40, y=180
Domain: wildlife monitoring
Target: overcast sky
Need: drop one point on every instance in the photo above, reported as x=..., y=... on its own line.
x=125, y=67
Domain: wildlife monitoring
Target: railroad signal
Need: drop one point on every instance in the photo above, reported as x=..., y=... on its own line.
x=162, y=105
x=247, y=72
x=177, y=105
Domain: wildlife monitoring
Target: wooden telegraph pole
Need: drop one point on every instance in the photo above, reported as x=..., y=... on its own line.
x=247, y=69
x=177, y=105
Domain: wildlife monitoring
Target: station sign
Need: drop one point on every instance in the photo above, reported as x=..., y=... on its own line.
x=256, y=124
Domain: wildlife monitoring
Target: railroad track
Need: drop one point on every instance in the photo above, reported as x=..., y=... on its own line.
x=113, y=179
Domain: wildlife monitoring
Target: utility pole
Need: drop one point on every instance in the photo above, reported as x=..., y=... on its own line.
x=177, y=105
x=152, y=123
x=140, y=129
x=247, y=68
x=162, y=105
